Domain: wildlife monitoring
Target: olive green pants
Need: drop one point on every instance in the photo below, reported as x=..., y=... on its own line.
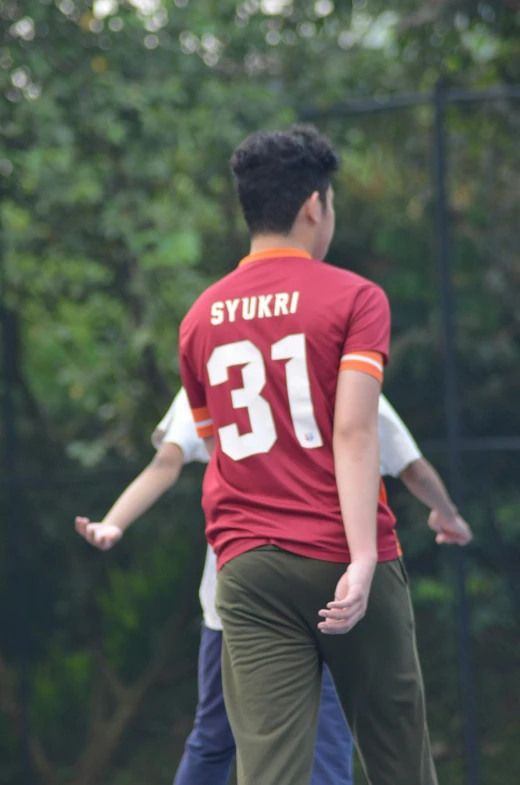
x=273, y=652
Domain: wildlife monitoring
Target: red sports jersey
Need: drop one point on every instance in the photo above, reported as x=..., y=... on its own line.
x=260, y=353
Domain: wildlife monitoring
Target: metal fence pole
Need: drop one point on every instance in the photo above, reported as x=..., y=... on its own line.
x=16, y=565
x=453, y=432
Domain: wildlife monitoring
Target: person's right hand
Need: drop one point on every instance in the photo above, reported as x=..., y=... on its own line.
x=449, y=531
x=101, y=535
x=351, y=598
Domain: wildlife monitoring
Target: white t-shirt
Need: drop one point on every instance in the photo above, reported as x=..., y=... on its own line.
x=397, y=451
x=397, y=448
x=177, y=427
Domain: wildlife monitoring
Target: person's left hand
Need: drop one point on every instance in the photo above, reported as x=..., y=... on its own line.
x=449, y=531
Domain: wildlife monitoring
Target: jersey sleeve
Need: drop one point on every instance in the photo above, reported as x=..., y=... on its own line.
x=180, y=430
x=194, y=388
x=397, y=447
x=367, y=342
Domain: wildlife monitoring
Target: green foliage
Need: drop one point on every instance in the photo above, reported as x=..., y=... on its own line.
x=74, y=674
x=137, y=597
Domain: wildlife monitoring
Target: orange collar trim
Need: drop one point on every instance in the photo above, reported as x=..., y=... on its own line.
x=274, y=253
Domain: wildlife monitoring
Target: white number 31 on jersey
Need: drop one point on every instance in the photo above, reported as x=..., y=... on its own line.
x=263, y=433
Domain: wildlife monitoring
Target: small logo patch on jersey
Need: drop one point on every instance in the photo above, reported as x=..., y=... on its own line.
x=309, y=437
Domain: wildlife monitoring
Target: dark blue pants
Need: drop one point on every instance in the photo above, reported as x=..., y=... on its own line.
x=210, y=748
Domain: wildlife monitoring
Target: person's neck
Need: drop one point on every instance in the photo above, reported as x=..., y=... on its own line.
x=261, y=243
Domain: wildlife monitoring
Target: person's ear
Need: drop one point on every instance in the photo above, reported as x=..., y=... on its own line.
x=313, y=208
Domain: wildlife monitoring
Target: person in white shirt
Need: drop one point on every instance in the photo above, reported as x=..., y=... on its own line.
x=210, y=748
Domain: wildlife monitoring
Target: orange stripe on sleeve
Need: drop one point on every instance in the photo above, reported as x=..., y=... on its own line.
x=370, y=363
x=377, y=356
x=353, y=365
x=204, y=431
x=199, y=415
x=203, y=422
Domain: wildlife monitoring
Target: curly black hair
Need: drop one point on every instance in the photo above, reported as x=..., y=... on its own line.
x=277, y=171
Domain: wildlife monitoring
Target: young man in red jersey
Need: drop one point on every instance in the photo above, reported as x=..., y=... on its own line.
x=283, y=361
